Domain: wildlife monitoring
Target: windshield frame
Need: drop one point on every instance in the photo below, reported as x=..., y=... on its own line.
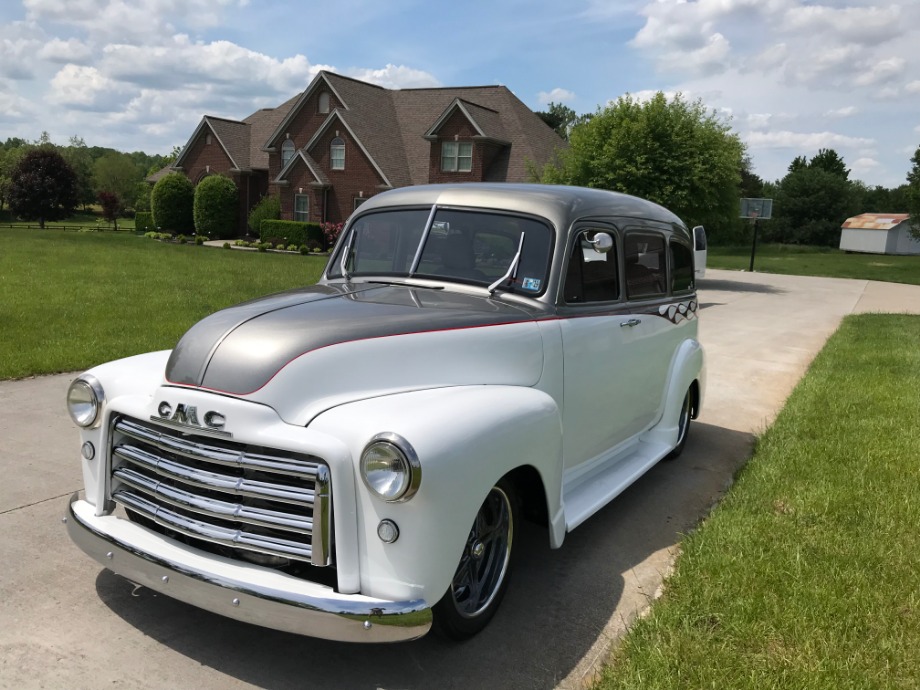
x=334, y=268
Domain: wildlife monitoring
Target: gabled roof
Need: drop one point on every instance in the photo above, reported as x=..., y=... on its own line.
x=311, y=164
x=336, y=116
x=486, y=121
x=876, y=221
x=390, y=126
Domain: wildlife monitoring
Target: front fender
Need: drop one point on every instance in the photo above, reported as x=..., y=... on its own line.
x=466, y=438
x=689, y=366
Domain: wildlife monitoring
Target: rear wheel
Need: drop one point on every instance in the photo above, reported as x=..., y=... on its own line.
x=683, y=426
x=481, y=577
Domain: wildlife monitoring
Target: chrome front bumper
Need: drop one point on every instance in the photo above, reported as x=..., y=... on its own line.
x=245, y=592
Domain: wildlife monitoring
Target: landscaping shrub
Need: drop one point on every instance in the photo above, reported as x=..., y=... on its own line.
x=143, y=220
x=216, y=207
x=290, y=232
x=269, y=208
x=171, y=202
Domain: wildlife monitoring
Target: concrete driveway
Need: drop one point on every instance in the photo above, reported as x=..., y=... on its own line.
x=64, y=622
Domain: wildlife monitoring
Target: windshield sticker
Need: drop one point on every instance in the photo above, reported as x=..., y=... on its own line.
x=531, y=284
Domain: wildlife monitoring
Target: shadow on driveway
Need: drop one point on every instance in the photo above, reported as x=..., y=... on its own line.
x=558, y=604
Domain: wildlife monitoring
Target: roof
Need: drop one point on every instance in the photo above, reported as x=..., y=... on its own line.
x=391, y=125
x=876, y=221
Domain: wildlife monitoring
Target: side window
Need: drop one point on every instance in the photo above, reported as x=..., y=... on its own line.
x=591, y=276
x=681, y=267
x=646, y=267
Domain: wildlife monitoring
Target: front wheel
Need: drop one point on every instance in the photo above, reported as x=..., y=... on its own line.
x=683, y=427
x=485, y=565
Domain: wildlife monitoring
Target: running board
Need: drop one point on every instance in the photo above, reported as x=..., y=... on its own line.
x=598, y=488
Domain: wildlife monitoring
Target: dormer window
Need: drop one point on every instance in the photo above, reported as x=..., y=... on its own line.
x=287, y=151
x=323, y=102
x=456, y=156
x=337, y=154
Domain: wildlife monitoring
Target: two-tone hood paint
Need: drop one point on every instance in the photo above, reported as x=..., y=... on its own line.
x=340, y=342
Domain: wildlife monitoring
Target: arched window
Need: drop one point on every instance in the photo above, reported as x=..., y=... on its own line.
x=337, y=154
x=287, y=151
x=324, y=102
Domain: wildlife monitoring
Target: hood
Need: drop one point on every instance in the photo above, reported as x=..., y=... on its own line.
x=346, y=341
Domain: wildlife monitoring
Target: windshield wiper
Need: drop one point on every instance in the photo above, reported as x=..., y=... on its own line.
x=397, y=282
x=512, y=268
x=348, y=250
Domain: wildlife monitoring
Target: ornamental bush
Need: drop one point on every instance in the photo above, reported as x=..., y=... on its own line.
x=216, y=207
x=171, y=202
x=269, y=208
x=143, y=221
x=290, y=232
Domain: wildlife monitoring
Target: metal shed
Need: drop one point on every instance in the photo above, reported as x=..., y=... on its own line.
x=879, y=233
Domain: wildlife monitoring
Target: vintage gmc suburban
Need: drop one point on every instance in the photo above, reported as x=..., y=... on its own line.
x=351, y=460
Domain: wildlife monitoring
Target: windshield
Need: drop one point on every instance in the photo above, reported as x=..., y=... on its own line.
x=467, y=246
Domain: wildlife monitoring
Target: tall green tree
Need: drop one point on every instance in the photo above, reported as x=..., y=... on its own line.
x=913, y=194
x=830, y=161
x=811, y=205
x=560, y=117
x=674, y=152
x=117, y=173
x=78, y=156
x=43, y=186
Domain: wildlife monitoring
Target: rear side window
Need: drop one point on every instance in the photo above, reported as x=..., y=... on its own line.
x=681, y=267
x=646, y=265
x=590, y=275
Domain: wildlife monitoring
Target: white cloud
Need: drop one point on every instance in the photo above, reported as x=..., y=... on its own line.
x=864, y=165
x=759, y=120
x=882, y=71
x=913, y=87
x=557, y=95
x=13, y=107
x=70, y=51
x=85, y=88
x=865, y=25
x=396, y=77
x=846, y=111
x=804, y=141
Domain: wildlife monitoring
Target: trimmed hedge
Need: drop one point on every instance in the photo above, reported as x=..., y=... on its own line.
x=171, y=201
x=143, y=221
x=216, y=207
x=291, y=232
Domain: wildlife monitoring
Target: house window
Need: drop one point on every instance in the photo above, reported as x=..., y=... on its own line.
x=456, y=156
x=207, y=140
x=287, y=151
x=301, y=207
x=324, y=102
x=337, y=154
x=358, y=201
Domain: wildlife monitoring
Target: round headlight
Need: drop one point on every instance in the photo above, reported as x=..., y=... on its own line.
x=84, y=400
x=390, y=467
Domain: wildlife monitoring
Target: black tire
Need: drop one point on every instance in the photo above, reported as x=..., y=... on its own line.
x=683, y=427
x=481, y=578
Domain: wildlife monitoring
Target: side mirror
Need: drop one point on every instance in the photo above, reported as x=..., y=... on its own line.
x=602, y=242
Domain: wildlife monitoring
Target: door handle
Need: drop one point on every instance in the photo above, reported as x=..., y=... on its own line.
x=632, y=323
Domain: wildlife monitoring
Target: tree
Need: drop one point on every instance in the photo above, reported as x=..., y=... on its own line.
x=43, y=186
x=560, y=118
x=216, y=207
x=913, y=194
x=79, y=158
x=830, y=161
x=111, y=207
x=811, y=205
x=268, y=208
x=673, y=152
x=9, y=159
x=171, y=202
x=116, y=173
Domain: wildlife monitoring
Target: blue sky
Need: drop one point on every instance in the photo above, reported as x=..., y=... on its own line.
x=793, y=76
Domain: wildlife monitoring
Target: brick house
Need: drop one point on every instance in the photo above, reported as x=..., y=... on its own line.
x=341, y=141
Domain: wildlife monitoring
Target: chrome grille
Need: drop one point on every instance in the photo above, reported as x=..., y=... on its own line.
x=266, y=501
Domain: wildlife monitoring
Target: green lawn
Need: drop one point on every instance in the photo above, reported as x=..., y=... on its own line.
x=806, y=575
x=70, y=300
x=818, y=261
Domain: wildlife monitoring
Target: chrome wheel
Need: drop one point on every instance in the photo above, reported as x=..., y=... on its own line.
x=482, y=574
x=486, y=555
